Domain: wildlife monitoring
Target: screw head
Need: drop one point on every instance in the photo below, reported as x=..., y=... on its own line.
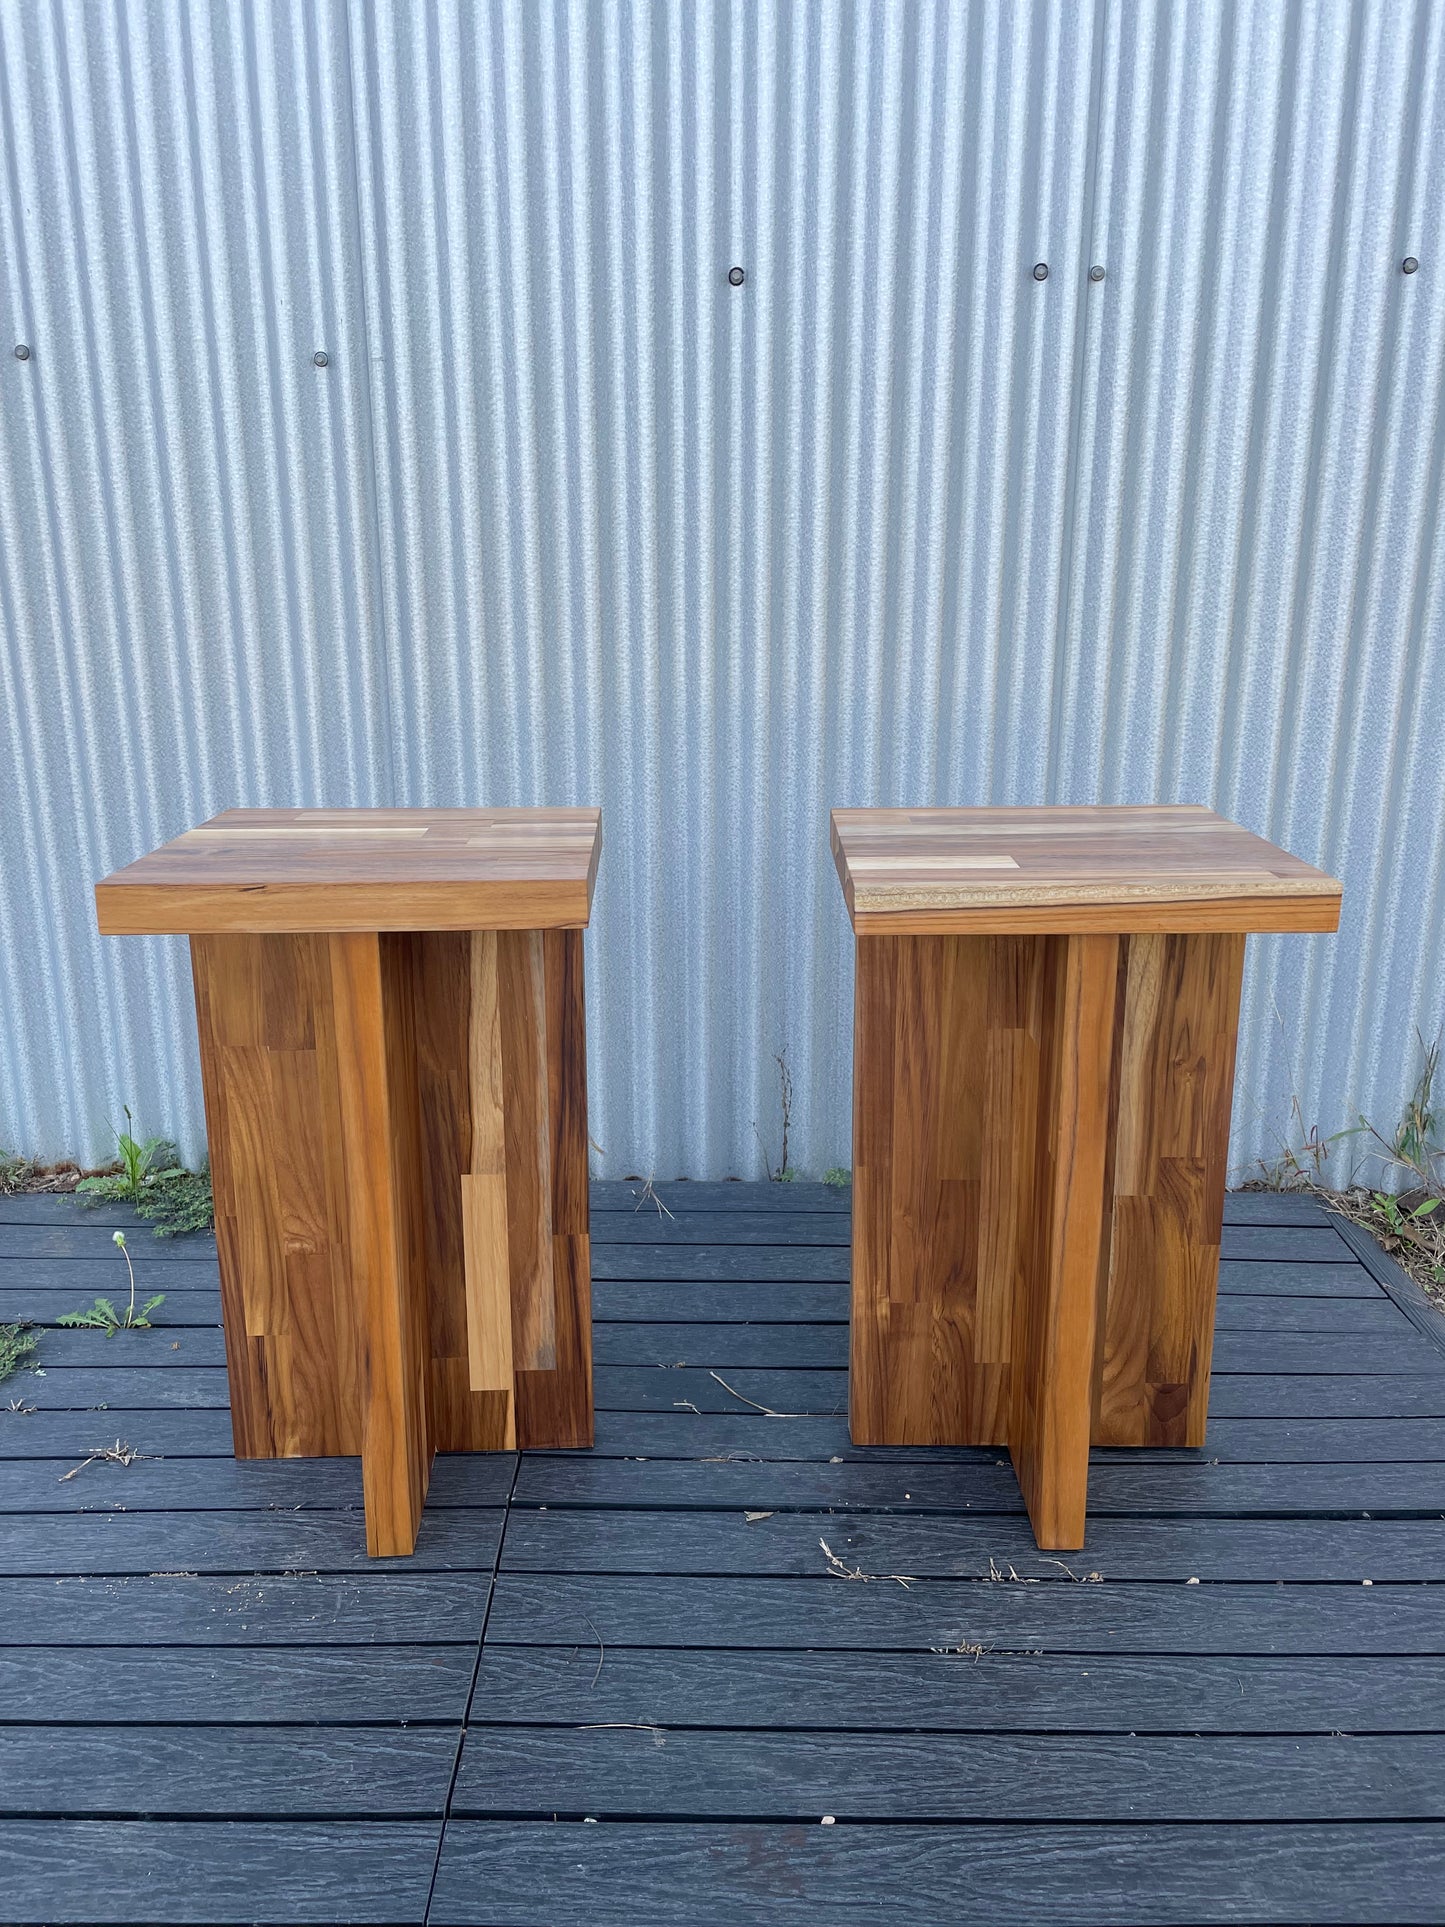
x=1409, y=265
x=321, y=358
x=737, y=276
x=22, y=351
x=1096, y=273
x=1041, y=270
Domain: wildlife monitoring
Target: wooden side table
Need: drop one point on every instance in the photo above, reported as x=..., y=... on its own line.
x=1044, y=1038
x=393, y=1050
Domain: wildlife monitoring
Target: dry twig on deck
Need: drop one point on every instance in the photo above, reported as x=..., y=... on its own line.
x=766, y=1410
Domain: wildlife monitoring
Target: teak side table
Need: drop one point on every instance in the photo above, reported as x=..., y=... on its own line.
x=393, y=1050
x=1044, y=1034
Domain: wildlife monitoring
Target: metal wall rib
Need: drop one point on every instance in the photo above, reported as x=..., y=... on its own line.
x=569, y=518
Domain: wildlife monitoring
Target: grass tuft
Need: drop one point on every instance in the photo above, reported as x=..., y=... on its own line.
x=17, y=1348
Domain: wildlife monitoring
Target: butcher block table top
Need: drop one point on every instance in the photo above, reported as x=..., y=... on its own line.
x=362, y=869
x=1169, y=867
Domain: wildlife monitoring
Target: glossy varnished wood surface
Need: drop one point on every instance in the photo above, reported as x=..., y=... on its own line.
x=1100, y=868
x=399, y=1146
x=948, y=1040
x=983, y=1091
x=373, y=869
x=265, y=1017
x=1041, y=1129
x=669, y=1652
x=1056, y=1297
x=379, y=1151
x=1171, y=1146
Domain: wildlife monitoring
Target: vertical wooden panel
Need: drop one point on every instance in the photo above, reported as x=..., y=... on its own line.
x=371, y=1003
x=554, y=1407
x=299, y=1243
x=461, y=1419
x=263, y=1013
x=485, y=1242
x=945, y=1066
x=522, y=1029
x=1176, y=1084
x=1057, y=1307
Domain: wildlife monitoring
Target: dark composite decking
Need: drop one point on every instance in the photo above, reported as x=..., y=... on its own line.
x=629, y=1686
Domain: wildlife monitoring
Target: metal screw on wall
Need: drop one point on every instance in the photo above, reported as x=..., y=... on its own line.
x=1096, y=274
x=1041, y=270
x=736, y=277
x=321, y=358
x=22, y=351
x=1409, y=265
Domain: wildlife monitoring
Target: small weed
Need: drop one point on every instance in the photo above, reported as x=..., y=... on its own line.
x=1415, y=1144
x=103, y=1316
x=1300, y=1162
x=150, y=1177
x=178, y=1202
x=16, y=1173
x=1399, y=1223
x=1409, y=1224
x=840, y=1177
x=140, y=1158
x=17, y=1348
x=782, y=1172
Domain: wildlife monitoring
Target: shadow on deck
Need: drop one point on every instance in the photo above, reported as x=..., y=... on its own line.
x=723, y=1625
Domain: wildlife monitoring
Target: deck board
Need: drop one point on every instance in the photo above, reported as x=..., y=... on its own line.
x=720, y=1625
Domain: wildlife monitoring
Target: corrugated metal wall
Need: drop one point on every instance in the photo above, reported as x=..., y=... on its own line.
x=569, y=518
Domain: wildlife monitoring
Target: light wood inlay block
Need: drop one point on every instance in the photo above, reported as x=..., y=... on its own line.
x=302, y=870
x=393, y=1051
x=1045, y=1014
x=1109, y=868
x=486, y=1252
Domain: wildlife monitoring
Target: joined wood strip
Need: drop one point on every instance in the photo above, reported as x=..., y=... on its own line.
x=485, y=1243
x=374, y=1053
x=522, y=1031
x=1057, y=1304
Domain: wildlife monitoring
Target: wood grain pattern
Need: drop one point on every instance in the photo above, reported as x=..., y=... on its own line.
x=1177, y=1049
x=553, y=1403
x=1056, y=1302
x=554, y=1407
x=393, y=1049
x=522, y=1028
x=379, y=1143
x=268, y=1069
x=486, y=1257
x=399, y=1137
x=462, y=1420
x=1102, y=869
x=947, y=1036
x=315, y=870
x=1044, y=1039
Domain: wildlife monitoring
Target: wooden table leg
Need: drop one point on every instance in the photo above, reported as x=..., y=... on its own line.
x=352, y=1159
x=981, y=1124
x=1056, y=1302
